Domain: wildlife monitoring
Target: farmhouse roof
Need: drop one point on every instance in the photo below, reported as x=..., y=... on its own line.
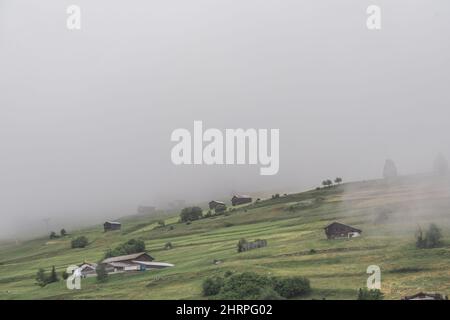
x=87, y=263
x=88, y=266
x=112, y=222
x=345, y=225
x=219, y=202
x=125, y=258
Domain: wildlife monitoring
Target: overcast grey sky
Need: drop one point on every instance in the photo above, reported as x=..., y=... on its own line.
x=86, y=116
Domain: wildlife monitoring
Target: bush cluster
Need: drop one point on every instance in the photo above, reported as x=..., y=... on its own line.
x=42, y=279
x=190, y=214
x=372, y=294
x=129, y=247
x=80, y=242
x=432, y=238
x=250, y=285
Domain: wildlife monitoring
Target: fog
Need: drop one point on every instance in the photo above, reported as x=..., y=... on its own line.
x=86, y=115
x=398, y=206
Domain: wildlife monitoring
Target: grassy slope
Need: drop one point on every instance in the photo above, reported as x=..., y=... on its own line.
x=336, y=270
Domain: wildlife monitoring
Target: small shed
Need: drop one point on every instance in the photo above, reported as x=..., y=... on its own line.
x=111, y=226
x=340, y=230
x=240, y=199
x=213, y=204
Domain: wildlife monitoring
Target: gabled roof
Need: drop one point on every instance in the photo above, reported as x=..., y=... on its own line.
x=241, y=196
x=126, y=257
x=341, y=224
x=112, y=222
x=88, y=266
x=87, y=263
x=219, y=202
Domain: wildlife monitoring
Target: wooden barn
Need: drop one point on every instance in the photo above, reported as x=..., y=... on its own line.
x=213, y=204
x=240, y=199
x=111, y=226
x=339, y=230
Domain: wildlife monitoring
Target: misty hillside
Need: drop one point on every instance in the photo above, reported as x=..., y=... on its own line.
x=389, y=213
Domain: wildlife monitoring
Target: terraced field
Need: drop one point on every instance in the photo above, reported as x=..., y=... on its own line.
x=293, y=227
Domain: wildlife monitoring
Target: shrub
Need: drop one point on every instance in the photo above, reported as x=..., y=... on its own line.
x=191, y=214
x=432, y=237
x=161, y=223
x=63, y=232
x=168, y=246
x=292, y=286
x=228, y=273
x=53, y=276
x=372, y=294
x=327, y=183
x=269, y=294
x=212, y=286
x=80, y=242
x=129, y=247
x=53, y=235
x=250, y=285
x=241, y=244
x=41, y=279
x=247, y=285
x=102, y=275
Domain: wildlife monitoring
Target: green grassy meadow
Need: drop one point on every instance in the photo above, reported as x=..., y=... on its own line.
x=292, y=225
